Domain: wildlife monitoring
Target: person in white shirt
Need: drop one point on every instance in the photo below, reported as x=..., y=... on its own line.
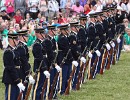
x=53, y=8
x=123, y=6
x=128, y=6
x=33, y=8
x=2, y=6
x=93, y=10
x=99, y=6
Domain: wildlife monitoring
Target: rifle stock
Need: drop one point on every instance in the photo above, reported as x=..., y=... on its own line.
x=103, y=61
x=56, y=76
x=69, y=80
x=79, y=76
x=28, y=92
x=109, y=60
x=93, y=67
x=21, y=93
x=20, y=96
x=53, y=85
x=43, y=88
x=85, y=67
x=115, y=53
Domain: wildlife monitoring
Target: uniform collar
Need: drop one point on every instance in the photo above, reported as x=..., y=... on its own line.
x=74, y=32
x=23, y=42
x=12, y=48
x=50, y=36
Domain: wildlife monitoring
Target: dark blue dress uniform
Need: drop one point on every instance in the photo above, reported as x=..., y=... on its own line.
x=53, y=59
x=111, y=27
x=102, y=36
x=64, y=46
x=25, y=55
x=75, y=50
x=119, y=30
x=11, y=72
x=82, y=35
x=93, y=36
x=40, y=65
x=25, y=66
x=91, y=31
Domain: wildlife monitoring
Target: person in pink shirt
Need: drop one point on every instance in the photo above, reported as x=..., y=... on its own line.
x=10, y=7
x=77, y=9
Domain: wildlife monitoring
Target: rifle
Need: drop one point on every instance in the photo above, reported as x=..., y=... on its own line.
x=35, y=76
x=69, y=80
x=80, y=72
x=45, y=83
x=94, y=64
x=104, y=56
x=21, y=93
x=85, y=67
x=113, y=50
x=72, y=73
x=109, y=59
x=114, y=55
x=89, y=69
x=56, y=76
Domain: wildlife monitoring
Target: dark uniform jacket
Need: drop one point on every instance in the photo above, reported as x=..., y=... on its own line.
x=39, y=56
x=82, y=38
x=63, y=46
x=24, y=58
x=48, y=50
x=91, y=31
x=100, y=33
x=11, y=70
x=74, y=45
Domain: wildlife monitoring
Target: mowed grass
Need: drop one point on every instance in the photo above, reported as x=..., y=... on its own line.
x=113, y=85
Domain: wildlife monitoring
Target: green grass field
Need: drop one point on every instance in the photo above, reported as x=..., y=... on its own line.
x=113, y=85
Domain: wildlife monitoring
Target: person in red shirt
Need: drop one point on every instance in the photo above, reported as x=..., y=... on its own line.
x=61, y=19
x=87, y=8
x=18, y=17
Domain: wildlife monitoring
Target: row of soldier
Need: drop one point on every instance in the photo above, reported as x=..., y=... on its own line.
x=63, y=61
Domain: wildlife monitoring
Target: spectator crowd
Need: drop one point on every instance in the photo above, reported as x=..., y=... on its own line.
x=18, y=15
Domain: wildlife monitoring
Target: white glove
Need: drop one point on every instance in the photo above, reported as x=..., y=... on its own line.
x=90, y=54
x=98, y=53
x=75, y=63
x=47, y=74
x=83, y=59
x=21, y=86
x=108, y=46
x=113, y=44
x=118, y=40
x=31, y=80
x=58, y=68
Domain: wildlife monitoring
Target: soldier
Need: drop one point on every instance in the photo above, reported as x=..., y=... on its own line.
x=93, y=37
x=54, y=54
x=75, y=48
x=26, y=68
x=119, y=29
x=11, y=77
x=82, y=35
x=64, y=57
x=40, y=64
x=100, y=33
